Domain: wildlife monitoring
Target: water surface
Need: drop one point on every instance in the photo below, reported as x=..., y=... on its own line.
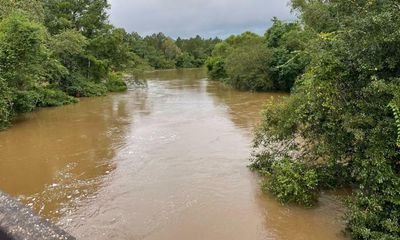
x=166, y=161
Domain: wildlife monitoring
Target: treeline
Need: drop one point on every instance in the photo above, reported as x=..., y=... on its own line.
x=161, y=52
x=52, y=51
x=341, y=125
x=262, y=63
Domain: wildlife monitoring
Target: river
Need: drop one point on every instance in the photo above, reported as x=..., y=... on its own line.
x=165, y=161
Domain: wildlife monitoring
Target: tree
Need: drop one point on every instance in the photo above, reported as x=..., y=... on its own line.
x=222, y=50
x=198, y=48
x=247, y=68
x=185, y=60
x=322, y=16
x=171, y=51
x=86, y=16
x=111, y=47
x=69, y=46
x=288, y=42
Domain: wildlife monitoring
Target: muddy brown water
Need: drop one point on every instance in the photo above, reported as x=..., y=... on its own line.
x=166, y=161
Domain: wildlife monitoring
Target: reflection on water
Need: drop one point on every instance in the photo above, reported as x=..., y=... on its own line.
x=165, y=162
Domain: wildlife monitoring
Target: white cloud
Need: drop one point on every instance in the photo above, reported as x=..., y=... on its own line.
x=187, y=18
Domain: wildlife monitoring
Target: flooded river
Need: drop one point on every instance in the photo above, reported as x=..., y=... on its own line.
x=163, y=162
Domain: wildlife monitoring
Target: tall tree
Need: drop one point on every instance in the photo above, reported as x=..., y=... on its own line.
x=87, y=16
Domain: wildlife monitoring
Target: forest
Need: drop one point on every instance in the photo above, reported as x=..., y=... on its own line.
x=340, y=62
x=54, y=51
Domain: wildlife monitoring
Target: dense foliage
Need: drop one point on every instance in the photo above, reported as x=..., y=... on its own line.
x=162, y=52
x=340, y=127
x=271, y=62
x=52, y=51
x=195, y=51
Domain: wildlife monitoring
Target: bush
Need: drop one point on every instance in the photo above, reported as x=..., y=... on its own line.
x=54, y=97
x=292, y=182
x=185, y=60
x=160, y=62
x=374, y=217
x=116, y=86
x=26, y=101
x=247, y=68
x=86, y=88
x=115, y=83
x=216, y=68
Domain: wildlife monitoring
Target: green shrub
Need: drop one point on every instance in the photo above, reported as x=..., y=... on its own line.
x=216, y=68
x=292, y=182
x=185, y=60
x=26, y=101
x=115, y=83
x=374, y=209
x=247, y=68
x=86, y=88
x=116, y=86
x=374, y=217
x=54, y=97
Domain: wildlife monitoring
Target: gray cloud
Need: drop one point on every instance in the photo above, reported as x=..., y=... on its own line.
x=187, y=18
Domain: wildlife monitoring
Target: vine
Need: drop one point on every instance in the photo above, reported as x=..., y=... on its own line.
x=396, y=113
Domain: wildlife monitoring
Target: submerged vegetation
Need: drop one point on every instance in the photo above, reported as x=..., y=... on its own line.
x=340, y=126
x=53, y=51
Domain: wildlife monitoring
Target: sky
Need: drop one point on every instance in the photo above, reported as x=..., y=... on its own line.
x=187, y=18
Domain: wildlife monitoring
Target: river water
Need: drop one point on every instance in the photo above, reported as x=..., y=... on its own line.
x=164, y=161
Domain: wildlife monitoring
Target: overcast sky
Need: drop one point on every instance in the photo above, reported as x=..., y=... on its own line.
x=186, y=18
